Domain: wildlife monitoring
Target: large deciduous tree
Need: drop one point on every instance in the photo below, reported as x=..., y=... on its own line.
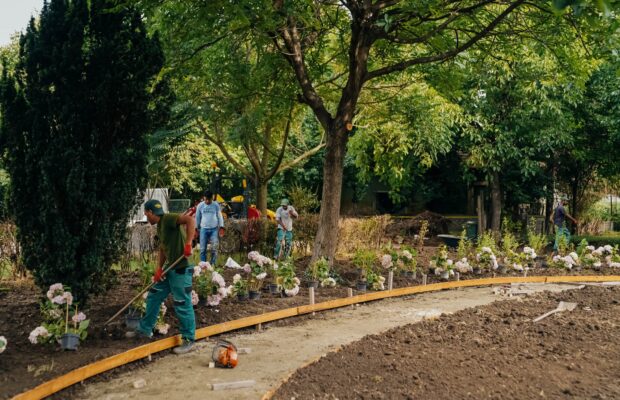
x=335, y=48
x=238, y=92
x=592, y=152
x=76, y=112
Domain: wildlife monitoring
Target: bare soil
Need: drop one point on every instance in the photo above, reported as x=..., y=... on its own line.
x=24, y=365
x=493, y=351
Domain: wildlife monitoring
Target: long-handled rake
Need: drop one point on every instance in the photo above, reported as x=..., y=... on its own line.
x=168, y=268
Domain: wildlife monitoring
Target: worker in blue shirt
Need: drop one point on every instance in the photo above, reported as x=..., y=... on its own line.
x=210, y=221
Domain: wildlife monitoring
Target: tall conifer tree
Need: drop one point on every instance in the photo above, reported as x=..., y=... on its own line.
x=75, y=115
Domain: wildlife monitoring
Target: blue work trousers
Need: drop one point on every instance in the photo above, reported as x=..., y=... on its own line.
x=209, y=235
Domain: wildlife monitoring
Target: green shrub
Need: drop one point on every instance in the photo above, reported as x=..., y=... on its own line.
x=597, y=241
x=76, y=112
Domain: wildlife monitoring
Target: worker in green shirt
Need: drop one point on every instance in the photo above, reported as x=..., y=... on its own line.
x=174, y=242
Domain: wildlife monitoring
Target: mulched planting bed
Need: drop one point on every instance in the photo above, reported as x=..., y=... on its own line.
x=494, y=351
x=24, y=365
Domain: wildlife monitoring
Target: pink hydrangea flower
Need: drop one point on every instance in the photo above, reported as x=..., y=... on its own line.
x=195, y=298
x=39, y=331
x=79, y=317
x=162, y=328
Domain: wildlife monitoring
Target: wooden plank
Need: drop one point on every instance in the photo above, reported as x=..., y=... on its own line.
x=50, y=387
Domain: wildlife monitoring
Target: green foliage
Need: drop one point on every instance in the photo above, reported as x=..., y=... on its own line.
x=285, y=275
x=303, y=199
x=409, y=258
x=509, y=240
x=563, y=245
x=75, y=115
x=440, y=260
x=365, y=260
x=422, y=234
x=588, y=157
x=487, y=240
x=240, y=285
x=403, y=134
x=582, y=248
x=318, y=270
x=60, y=315
x=465, y=247
x=537, y=242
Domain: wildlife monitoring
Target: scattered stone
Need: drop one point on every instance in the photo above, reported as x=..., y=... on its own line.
x=139, y=384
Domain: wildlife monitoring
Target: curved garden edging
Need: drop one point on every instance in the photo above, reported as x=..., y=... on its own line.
x=80, y=374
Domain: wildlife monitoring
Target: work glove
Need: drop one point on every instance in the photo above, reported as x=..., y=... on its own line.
x=158, y=277
x=187, y=251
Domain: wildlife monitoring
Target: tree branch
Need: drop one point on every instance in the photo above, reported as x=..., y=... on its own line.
x=224, y=151
x=287, y=130
x=301, y=158
x=448, y=54
x=295, y=57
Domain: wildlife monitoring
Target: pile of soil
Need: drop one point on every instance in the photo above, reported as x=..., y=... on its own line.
x=437, y=224
x=494, y=351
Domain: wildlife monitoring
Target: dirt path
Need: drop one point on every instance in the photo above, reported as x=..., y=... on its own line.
x=277, y=352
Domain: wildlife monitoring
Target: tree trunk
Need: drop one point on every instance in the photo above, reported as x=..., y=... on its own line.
x=574, y=195
x=496, y=203
x=261, y=197
x=326, y=240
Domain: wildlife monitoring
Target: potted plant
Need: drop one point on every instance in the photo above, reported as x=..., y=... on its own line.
x=374, y=280
x=536, y=242
x=210, y=284
x=75, y=331
x=3, y=343
x=286, y=278
x=463, y=252
x=485, y=254
x=529, y=256
x=259, y=265
x=441, y=265
x=318, y=272
x=407, y=262
x=57, y=312
x=363, y=260
x=254, y=285
x=239, y=288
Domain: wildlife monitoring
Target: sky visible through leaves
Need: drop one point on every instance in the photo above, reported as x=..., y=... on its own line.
x=14, y=17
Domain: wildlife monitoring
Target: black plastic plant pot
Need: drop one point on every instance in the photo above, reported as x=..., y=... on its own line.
x=361, y=286
x=242, y=296
x=312, y=284
x=273, y=288
x=132, y=321
x=254, y=295
x=70, y=341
